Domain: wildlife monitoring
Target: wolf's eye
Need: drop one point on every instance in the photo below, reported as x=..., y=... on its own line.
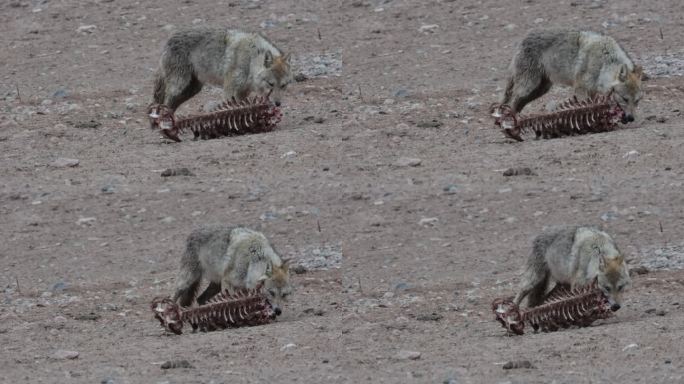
x=285, y=294
x=271, y=84
x=272, y=292
x=606, y=288
x=620, y=288
x=283, y=86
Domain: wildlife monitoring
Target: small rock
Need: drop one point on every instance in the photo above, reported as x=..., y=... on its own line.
x=518, y=364
x=288, y=346
x=63, y=354
x=408, y=355
x=510, y=27
x=609, y=216
x=107, y=189
x=85, y=124
x=402, y=286
x=168, y=220
x=428, y=28
x=64, y=162
x=631, y=156
x=86, y=220
x=428, y=221
x=319, y=120
x=89, y=316
x=429, y=124
x=661, y=119
x=300, y=77
x=59, y=286
x=299, y=269
x=60, y=93
x=289, y=154
x=176, y=172
x=400, y=93
x=640, y=270
x=429, y=317
x=450, y=189
x=86, y=29
x=630, y=346
x=268, y=216
x=660, y=312
x=172, y=364
x=408, y=162
x=519, y=171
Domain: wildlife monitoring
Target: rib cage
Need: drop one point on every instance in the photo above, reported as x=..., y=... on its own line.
x=573, y=117
x=230, y=118
x=563, y=308
x=225, y=310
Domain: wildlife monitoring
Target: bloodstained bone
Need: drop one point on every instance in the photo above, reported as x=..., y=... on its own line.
x=573, y=117
x=231, y=118
x=225, y=310
x=563, y=308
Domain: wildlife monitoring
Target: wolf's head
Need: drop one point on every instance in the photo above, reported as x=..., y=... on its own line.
x=275, y=76
x=613, y=278
x=626, y=90
x=277, y=285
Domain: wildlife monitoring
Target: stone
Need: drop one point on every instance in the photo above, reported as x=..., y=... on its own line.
x=408, y=162
x=408, y=355
x=64, y=162
x=63, y=354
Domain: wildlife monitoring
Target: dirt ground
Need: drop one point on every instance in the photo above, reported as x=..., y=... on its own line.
x=402, y=260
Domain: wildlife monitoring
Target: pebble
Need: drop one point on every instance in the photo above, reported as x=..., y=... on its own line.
x=176, y=172
x=63, y=354
x=86, y=29
x=450, y=189
x=172, y=364
x=519, y=171
x=428, y=28
x=64, y=162
x=408, y=162
x=517, y=364
x=428, y=221
x=408, y=355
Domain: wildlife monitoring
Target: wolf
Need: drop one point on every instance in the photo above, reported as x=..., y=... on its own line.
x=240, y=62
x=574, y=256
x=589, y=62
x=231, y=258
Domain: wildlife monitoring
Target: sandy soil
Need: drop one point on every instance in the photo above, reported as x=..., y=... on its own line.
x=407, y=259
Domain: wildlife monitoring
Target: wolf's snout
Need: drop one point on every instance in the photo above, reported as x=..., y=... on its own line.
x=627, y=119
x=277, y=103
x=614, y=307
x=278, y=311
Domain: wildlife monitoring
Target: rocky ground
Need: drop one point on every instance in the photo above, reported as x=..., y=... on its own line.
x=384, y=182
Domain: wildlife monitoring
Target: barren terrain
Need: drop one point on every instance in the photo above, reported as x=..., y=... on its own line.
x=384, y=182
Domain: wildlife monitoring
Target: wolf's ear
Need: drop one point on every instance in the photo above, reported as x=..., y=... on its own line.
x=638, y=71
x=285, y=265
x=269, y=271
x=623, y=72
x=287, y=57
x=268, y=59
x=602, y=263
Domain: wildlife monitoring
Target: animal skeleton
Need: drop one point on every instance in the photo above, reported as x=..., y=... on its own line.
x=230, y=118
x=225, y=310
x=573, y=117
x=563, y=308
